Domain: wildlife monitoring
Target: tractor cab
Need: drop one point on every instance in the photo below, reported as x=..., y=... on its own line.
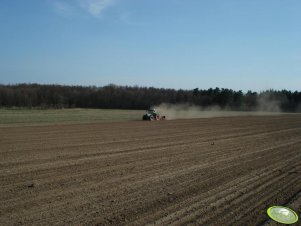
x=152, y=111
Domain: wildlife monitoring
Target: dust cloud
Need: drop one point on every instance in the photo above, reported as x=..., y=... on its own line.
x=266, y=102
x=183, y=111
x=187, y=111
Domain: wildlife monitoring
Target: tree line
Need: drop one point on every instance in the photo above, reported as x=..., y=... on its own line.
x=134, y=97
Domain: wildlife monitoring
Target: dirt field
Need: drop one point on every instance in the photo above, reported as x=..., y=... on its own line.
x=217, y=171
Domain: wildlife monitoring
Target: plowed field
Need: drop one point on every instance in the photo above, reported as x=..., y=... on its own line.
x=217, y=171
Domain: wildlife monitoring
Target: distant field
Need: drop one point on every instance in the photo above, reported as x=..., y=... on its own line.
x=11, y=116
x=80, y=115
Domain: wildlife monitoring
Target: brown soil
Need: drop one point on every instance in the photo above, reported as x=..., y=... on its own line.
x=218, y=171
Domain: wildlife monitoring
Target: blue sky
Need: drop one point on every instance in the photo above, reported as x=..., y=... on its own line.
x=238, y=44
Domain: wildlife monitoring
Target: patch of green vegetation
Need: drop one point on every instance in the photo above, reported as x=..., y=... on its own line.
x=21, y=115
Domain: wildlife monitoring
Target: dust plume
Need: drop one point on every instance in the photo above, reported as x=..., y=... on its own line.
x=187, y=111
x=267, y=102
x=183, y=111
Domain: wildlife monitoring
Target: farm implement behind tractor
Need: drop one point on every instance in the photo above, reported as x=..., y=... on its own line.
x=152, y=114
